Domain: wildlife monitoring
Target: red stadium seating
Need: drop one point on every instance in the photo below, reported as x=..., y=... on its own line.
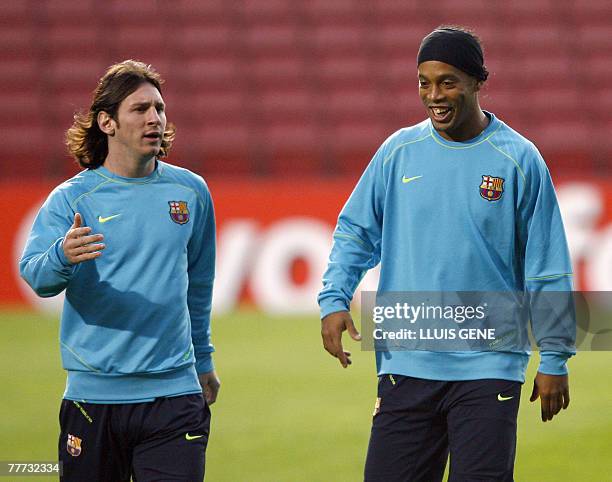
x=303, y=87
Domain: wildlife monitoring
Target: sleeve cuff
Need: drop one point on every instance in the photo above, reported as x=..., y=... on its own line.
x=204, y=364
x=61, y=257
x=333, y=306
x=553, y=363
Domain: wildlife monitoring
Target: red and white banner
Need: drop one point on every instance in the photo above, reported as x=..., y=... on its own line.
x=274, y=239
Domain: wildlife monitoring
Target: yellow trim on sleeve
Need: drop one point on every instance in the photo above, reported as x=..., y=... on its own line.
x=509, y=157
x=352, y=238
x=552, y=276
x=74, y=203
x=388, y=158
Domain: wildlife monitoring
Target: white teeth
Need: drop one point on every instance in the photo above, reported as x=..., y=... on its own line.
x=440, y=110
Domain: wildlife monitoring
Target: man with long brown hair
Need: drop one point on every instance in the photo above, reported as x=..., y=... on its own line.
x=132, y=241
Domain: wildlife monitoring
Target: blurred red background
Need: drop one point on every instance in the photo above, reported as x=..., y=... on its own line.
x=281, y=104
x=275, y=87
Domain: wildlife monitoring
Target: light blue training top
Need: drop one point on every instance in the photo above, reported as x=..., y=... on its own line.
x=438, y=215
x=136, y=321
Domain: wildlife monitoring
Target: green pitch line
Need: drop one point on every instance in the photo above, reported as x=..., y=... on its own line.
x=287, y=412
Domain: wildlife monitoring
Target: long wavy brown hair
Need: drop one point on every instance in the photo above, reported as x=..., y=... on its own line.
x=85, y=141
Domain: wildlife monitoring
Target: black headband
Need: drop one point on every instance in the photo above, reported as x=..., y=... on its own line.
x=456, y=48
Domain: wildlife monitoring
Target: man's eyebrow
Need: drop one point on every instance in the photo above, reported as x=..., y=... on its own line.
x=441, y=77
x=148, y=103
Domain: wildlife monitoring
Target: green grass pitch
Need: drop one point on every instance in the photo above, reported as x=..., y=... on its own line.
x=287, y=412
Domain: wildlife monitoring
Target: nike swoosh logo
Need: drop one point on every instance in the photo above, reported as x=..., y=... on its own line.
x=103, y=220
x=406, y=180
x=192, y=437
x=502, y=398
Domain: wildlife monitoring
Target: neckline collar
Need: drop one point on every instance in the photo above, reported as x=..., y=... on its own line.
x=494, y=124
x=104, y=172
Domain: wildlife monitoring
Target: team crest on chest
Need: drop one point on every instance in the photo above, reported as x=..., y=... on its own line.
x=73, y=445
x=492, y=188
x=179, y=213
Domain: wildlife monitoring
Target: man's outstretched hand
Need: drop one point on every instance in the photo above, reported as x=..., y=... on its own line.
x=79, y=245
x=553, y=391
x=332, y=327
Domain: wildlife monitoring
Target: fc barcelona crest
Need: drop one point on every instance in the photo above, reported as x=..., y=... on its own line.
x=73, y=445
x=179, y=213
x=492, y=188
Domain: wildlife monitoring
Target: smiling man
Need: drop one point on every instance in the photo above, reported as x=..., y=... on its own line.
x=460, y=202
x=132, y=241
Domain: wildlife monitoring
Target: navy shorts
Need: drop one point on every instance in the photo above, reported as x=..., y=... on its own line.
x=164, y=440
x=418, y=422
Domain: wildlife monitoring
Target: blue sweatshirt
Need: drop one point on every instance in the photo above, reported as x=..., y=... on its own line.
x=438, y=215
x=136, y=320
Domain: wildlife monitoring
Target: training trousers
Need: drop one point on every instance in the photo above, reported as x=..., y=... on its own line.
x=418, y=422
x=164, y=440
